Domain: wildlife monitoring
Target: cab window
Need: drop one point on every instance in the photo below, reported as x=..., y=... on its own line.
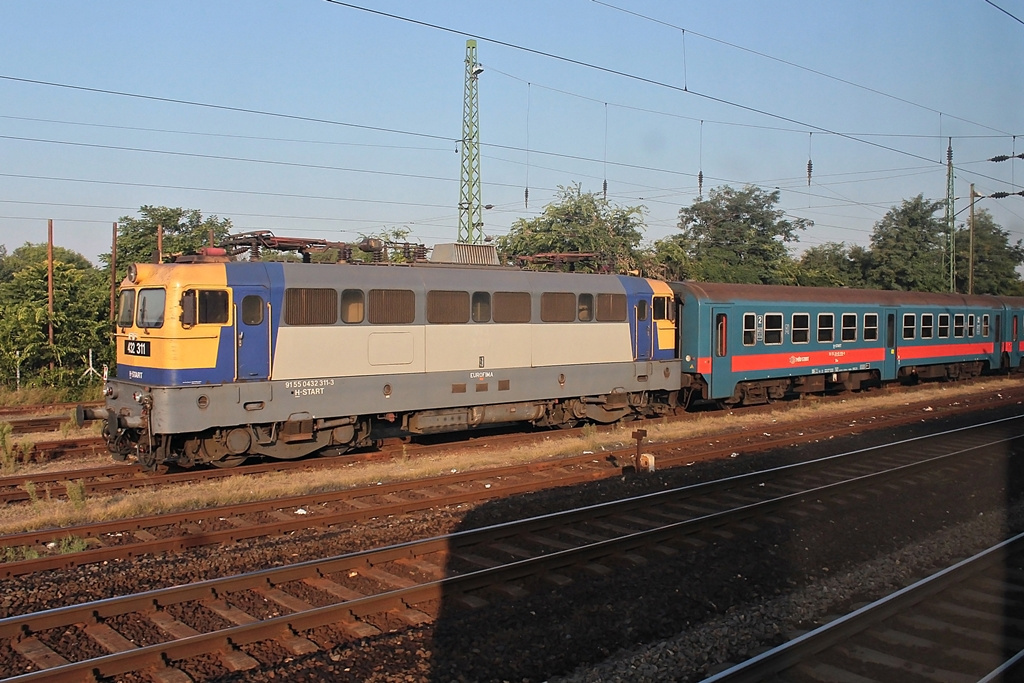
x=126, y=308
x=213, y=306
x=151, y=308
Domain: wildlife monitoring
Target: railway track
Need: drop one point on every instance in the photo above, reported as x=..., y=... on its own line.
x=124, y=476
x=960, y=624
x=360, y=594
x=227, y=524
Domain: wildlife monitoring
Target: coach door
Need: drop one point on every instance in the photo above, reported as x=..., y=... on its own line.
x=252, y=333
x=890, y=365
x=722, y=381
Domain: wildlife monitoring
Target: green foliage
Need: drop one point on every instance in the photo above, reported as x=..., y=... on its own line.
x=739, y=236
x=71, y=544
x=907, y=248
x=995, y=259
x=30, y=489
x=76, y=493
x=8, y=457
x=833, y=264
x=184, y=231
x=580, y=222
x=81, y=309
x=18, y=553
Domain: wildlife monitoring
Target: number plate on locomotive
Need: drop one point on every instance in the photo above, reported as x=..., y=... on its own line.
x=136, y=347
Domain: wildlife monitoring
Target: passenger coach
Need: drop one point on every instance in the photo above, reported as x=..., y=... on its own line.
x=743, y=344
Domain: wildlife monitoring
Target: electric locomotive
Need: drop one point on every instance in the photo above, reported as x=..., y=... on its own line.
x=219, y=360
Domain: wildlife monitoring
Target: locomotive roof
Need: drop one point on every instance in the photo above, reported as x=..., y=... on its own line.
x=726, y=292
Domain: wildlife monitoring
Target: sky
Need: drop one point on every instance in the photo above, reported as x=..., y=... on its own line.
x=332, y=120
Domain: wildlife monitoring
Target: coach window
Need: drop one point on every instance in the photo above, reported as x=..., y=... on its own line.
x=481, y=307
x=353, y=306
x=310, y=306
x=611, y=308
x=958, y=325
x=985, y=325
x=585, y=307
x=927, y=325
x=511, y=307
x=909, y=325
x=447, y=307
x=126, y=309
x=720, y=339
x=252, y=310
x=870, y=327
x=749, y=329
x=391, y=306
x=826, y=328
x=943, y=325
x=970, y=325
x=849, y=330
x=151, y=308
x=801, y=328
x=773, y=328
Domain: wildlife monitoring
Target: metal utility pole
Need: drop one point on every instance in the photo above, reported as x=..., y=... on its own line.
x=471, y=214
x=49, y=283
x=970, y=258
x=949, y=217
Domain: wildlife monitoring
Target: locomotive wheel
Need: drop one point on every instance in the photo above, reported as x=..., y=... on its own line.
x=147, y=460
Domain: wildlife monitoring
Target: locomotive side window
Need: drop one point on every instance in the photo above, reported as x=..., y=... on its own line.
x=970, y=325
x=445, y=308
x=641, y=309
x=943, y=325
x=392, y=306
x=958, y=325
x=151, y=308
x=213, y=306
x=126, y=308
x=481, y=307
x=849, y=329
x=511, y=307
x=662, y=308
x=611, y=308
x=585, y=308
x=985, y=325
x=927, y=325
x=909, y=325
x=310, y=306
x=558, y=307
x=353, y=306
x=826, y=327
x=773, y=328
x=801, y=328
x=870, y=327
x=252, y=310
x=749, y=329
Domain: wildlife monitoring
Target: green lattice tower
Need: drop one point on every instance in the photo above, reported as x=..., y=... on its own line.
x=951, y=245
x=471, y=214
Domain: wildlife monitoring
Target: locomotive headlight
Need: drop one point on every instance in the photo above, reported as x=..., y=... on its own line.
x=110, y=391
x=133, y=273
x=138, y=396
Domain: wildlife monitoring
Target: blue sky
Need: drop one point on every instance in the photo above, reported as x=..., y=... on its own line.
x=353, y=117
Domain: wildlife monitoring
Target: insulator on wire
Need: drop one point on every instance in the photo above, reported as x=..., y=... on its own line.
x=810, y=166
x=605, y=189
x=526, y=198
x=700, y=183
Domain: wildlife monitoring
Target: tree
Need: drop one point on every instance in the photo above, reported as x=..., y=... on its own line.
x=907, y=248
x=833, y=264
x=739, y=236
x=184, y=231
x=79, y=320
x=995, y=259
x=580, y=222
